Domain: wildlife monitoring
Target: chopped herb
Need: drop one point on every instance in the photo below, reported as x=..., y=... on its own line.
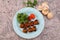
x=22, y=17
x=31, y=4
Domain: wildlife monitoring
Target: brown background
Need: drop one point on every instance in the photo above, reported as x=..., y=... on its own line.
x=8, y=8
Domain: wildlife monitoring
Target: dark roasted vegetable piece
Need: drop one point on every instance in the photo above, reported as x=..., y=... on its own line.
x=36, y=22
x=25, y=30
x=33, y=28
x=27, y=24
x=31, y=23
x=22, y=25
x=30, y=30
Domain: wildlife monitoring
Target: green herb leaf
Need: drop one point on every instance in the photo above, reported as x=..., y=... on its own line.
x=22, y=17
x=30, y=4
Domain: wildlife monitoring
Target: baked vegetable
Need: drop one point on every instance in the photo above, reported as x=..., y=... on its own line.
x=34, y=28
x=36, y=22
x=30, y=30
x=25, y=30
x=22, y=25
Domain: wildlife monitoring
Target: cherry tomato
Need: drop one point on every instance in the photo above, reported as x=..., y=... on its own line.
x=32, y=16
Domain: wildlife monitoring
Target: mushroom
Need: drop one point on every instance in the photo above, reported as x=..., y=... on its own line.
x=45, y=5
x=39, y=8
x=50, y=15
x=45, y=12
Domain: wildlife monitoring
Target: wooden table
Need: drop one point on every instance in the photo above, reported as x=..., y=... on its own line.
x=8, y=8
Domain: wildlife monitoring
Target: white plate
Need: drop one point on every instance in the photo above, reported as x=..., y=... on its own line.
x=39, y=27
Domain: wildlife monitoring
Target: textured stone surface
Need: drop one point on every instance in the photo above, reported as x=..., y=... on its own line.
x=8, y=8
